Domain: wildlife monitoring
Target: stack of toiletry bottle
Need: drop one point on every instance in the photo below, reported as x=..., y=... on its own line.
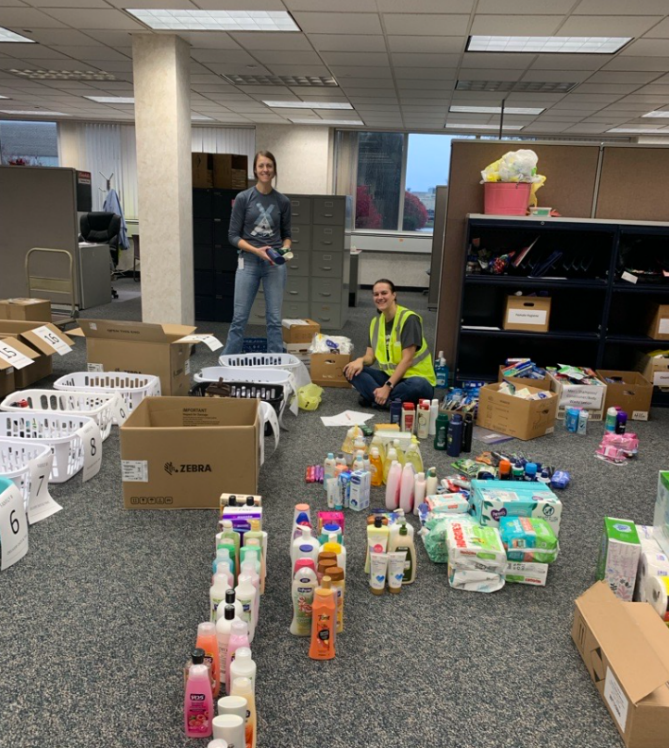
x=391, y=553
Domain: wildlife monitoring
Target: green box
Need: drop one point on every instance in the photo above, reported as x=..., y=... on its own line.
x=619, y=555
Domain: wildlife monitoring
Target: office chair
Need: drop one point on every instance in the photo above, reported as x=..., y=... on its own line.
x=102, y=228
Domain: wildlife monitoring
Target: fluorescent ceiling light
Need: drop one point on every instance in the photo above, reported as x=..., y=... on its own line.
x=112, y=99
x=352, y=122
x=4, y=97
x=9, y=36
x=34, y=112
x=458, y=126
x=641, y=130
x=216, y=20
x=516, y=86
x=280, y=80
x=599, y=45
x=308, y=104
x=496, y=109
x=85, y=75
x=657, y=113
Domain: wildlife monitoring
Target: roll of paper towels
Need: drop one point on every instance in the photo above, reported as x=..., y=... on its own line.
x=650, y=565
x=657, y=594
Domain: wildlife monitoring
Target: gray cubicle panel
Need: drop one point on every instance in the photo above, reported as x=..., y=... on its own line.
x=37, y=209
x=438, y=236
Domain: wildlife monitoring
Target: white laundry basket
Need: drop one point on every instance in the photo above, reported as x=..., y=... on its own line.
x=58, y=431
x=133, y=388
x=15, y=454
x=285, y=361
x=98, y=406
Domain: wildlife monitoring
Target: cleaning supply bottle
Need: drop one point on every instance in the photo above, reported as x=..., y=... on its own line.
x=434, y=412
x=242, y=687
x=304, y=584
x=414, y=456
x=244, y=667
x=301, y=518
x=246, y=594
x=454, y=439
x=198, y=703
x=406, y=488
x=420, y=485
x=323, y=623
x=431, y=483
x=404, y=541
x=393, y=481
x=223, y=631
x=339, y=550
x=329, y=467
x=338, y=584
x=302, y=537
x=423, y=420
x=441, y=437
x=376, y=467
x=378, y=535
x=217, y=592
x=206, y=639
x=390, y=458
x=239, y=637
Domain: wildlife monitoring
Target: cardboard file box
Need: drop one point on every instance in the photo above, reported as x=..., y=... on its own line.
x=230, y=171
x=530, y=313
x=183, y=452
x=655, y=369
x=26, y=333
x=659, y=326
x=633, y=394
x=625, y=648
x=590, y=397
x=299, y=331
x=523, y=419
x=327, y=369
x=34, y=310
x=203, y=175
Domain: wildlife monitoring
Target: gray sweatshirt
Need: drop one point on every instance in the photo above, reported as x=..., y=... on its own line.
x=261, y=220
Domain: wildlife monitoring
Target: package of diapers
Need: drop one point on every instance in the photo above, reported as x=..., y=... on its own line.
x=476, y=556
x=528, y=539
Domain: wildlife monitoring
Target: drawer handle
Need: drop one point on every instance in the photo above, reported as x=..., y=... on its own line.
x=217, y=220
x=328, y=243
x=328, y=215
x=294, y=267
x=325, y=267
x=325, y=319
x=294, y=293
x=320, y=293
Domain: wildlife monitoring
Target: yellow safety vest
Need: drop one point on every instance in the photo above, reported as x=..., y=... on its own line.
x=421, y=366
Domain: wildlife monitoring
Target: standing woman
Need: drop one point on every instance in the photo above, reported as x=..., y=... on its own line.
x=260, y=221
x=397, y=343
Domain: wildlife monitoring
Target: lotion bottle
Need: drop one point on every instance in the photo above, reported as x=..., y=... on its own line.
x=246, y=594
x=403, y=541
x=323, y=623
x=304, y=537
x=420, y=485
x=304, y=584
x=377, y=539
x=407, y=487
x=239, y=637
x=206, y=639
x=376, y=467
x=223, y=631
x=393, y=481
x=432, y=483
x=244, y=667
x=243, y=687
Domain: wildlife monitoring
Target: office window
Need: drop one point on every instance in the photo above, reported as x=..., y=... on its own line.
x=28, y=143
x=379, y=181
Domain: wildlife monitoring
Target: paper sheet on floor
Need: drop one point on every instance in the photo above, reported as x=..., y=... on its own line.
x=347, y=418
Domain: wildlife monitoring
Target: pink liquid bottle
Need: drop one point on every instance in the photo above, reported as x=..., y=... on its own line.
x=198, y=703
x=239, y=637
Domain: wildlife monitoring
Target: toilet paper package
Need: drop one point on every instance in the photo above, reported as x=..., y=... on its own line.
x=528, y=540
x=493, y=499
x=652, y=563
x=526, y=573
x=657, y=594
x=619, y=554
x=476, y=556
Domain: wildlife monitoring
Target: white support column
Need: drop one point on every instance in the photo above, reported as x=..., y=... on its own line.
x=161, y=69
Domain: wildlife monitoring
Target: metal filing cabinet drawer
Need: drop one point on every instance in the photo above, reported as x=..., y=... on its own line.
x=300, y=210
x=301, y=237
x=328, y=315
x=329, y=210
x=257, y=315
x=299, y=265
x=327, y=264
x=294, y=309
x=297, y=289
x=326, y=290
x=328, y=238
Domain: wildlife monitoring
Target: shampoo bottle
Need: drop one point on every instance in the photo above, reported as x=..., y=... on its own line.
x=230, y=599
x=246, y=594
x=419, y=491
x=242, y=687
x=329, y=467
x=249, y=569
x=304, y=585
x=198, y=703
x=323, y=623
x=434, y=412
x=217, y=592
x=301, y=518
x=239, y=637
x=338, y=584
x=377, y=539
x=423, y=420
x=261, y=535
x=230, y=536
x=406, y=488
x=414, y=456
x=223, y=631
x=206, y=639
x=303, y=537
x=432, y=483
x=391, y=457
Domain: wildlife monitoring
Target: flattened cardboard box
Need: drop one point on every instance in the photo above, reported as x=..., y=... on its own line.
x=633, y=394
x=42, y=366
x=33, y=310
x=183, y=452
x=327, y=369
x=139, y=348
x=625, y=647
x=524, y=419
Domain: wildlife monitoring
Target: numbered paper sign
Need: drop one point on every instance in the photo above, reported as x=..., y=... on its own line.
x=212, y=342
x=40, y=502
x=53, y=339
x=13, y=525
x=92, y=445
x=120, y=409
x=13, y=357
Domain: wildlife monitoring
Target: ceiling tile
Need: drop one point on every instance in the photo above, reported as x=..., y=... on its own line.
x=638, y=77
x=204, y=39
x=339, y=23
x=403, y=24
x=315, y=70
x=587, y=128
x=235, y=4
x=523, y=7
x=647, y=48
x=577, y=98
x=275, y=57
x=622, y=62
x=229, y=68
x=477, y=74
x=530, y=25
x=95, y=19
x=363, y=59
x=34, y=51
x=621, y=7
x=607, y=25
x=546, y=127
x=259, y=41
x=571, y=62
x=425, y=6
x=344, y=73
x=427, y=44
x=661, y=31
x=111, y=38
x=343, y=6
x=607, y=88
x=494, y=62
x=370, y=94
x=135, y=4
x=100, y=52
x=62, y=37
x=344, y=42
x=430, y=74
x=425, y=60
x=574, y=76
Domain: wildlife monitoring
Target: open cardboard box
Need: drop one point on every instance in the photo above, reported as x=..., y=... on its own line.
x=590, y=397
x=655, y=367
x=296, y=331
x=32, y=334
x=183, y=452
x=659, y=325
x=633, y=394
x=625, y=647
x=529, y=313
x=327, y=369
x=139, y=348
x=539, y=384
x=507, y=414
x=8, y=347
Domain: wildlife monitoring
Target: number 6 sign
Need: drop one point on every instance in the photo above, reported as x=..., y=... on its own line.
x=13, y=525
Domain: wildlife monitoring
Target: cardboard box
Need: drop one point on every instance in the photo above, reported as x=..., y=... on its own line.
x=590, y=397
x=299, y=331
x=182, y=452
x=633, y=394
x=230, y=171
x=35, y=310
x=659, y=326
x=203, y=174
x=655, y=368
x=539, y=384
x=524, y=419
x=139, y=348
x=7, y=369
x=619, y=554
x=327, y=369
x=300, y=351
x=28, y=333
x=530, y=313
x=661, y=515
x=625, y=647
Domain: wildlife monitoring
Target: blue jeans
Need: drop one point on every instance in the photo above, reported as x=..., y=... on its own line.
x=247, y=282
x=409, y=390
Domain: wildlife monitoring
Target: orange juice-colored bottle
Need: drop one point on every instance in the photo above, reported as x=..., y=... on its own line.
x=206, y=639
x=323, y=622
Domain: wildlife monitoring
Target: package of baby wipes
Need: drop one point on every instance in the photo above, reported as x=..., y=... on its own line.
x=528, y=539
x=448, y=503
x=434, y=538
x=526, y=573
x=474, y=580
x=493, y=499
x=474, y=547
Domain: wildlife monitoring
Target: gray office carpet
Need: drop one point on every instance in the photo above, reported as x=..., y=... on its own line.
x=97, y=620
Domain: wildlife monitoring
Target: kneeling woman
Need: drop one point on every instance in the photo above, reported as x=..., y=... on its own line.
x=397, y=344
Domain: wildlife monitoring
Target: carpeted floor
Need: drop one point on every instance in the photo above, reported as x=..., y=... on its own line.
x=98, y=619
